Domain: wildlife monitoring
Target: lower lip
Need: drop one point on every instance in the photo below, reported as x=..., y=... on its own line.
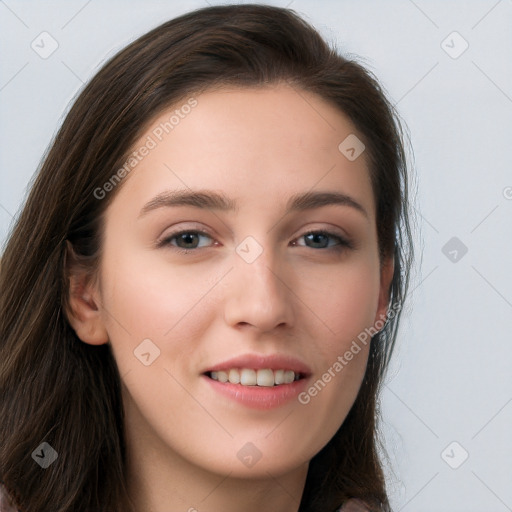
x=259, y=397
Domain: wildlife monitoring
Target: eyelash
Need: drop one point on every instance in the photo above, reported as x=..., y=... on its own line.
x=343, y=244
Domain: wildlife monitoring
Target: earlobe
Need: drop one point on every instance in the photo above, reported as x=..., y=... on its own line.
x=84, y=311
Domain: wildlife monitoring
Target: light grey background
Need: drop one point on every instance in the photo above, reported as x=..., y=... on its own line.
x=450, y=379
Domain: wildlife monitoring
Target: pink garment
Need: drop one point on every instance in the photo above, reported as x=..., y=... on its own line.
x=5, y=502
x=350, y=506
x=354, y=505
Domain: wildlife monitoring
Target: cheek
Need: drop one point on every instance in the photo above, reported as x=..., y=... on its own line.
x=151, y=294
x=346, y=304
x=152, y=300
x=345, y=300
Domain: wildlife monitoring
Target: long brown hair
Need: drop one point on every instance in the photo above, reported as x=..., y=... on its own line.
x=55, y=388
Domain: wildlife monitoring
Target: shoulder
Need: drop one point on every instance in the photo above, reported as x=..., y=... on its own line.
x=354, y=505
x=5, y=502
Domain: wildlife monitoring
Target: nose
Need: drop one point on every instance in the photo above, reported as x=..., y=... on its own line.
x=258, y=295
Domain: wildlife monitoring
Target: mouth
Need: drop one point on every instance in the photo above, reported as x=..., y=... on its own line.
x=259, y=381
x=263, y=377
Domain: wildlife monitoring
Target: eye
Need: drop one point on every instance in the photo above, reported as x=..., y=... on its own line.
x=324, y=240
x=185, y=240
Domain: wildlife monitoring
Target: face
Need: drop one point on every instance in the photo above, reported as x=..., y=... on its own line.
x=268, y=276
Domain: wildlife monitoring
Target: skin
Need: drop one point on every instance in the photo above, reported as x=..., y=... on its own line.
x=258, y=147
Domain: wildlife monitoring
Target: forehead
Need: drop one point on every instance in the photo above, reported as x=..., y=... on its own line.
x=257, y=143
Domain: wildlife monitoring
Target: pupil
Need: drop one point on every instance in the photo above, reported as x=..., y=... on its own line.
x=316, y=236
x=188, y=239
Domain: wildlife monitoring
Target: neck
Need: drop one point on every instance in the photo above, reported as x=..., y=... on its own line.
x=159, y=483
x=159, y=479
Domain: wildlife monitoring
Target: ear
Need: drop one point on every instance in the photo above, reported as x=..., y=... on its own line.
x=84, y=311
x=386, y=276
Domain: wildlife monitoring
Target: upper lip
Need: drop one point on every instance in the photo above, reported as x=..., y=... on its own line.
x=260, y=362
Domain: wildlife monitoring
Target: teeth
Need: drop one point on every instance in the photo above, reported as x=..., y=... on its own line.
x=234, y=376
x=289, y=376
x=248, y=377
x=222, y=376
x=265, y=378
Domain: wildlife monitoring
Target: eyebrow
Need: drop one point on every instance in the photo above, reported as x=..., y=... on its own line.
x=208, y=199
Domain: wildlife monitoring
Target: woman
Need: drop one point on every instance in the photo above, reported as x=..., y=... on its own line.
x=202, y=292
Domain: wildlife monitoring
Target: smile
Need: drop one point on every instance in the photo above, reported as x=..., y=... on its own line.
x=251, y=377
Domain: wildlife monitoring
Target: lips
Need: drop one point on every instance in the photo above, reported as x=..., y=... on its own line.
x=252, y=377
x=259, y=380
x=280, y=365
x=259, y=371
